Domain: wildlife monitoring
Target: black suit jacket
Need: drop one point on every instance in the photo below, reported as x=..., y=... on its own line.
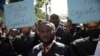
x=56, y=49
x=6, y=49
x=23, y=46
x=84, y=47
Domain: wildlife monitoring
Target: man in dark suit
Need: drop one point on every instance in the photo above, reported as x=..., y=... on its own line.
x=25, y=42
x=86, y=46
x=48, y=45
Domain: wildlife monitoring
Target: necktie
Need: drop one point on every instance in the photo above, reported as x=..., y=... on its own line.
x=45, y=50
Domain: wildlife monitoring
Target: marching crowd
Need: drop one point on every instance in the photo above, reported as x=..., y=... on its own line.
x=50, y=38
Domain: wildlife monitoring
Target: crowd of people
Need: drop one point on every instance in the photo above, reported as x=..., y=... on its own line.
x=50, y=38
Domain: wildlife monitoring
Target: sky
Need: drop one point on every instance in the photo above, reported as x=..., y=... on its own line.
x=59, y=7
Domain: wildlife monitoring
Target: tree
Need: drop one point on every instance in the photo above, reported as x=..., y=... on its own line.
x=38, y=12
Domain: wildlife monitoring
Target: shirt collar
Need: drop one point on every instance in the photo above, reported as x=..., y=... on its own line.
x=50, y=45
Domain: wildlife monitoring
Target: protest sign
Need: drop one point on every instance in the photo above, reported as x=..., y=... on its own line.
x=81, y=11
x=19, y=14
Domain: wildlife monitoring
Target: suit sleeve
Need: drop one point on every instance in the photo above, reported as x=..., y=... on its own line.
x=68, y=51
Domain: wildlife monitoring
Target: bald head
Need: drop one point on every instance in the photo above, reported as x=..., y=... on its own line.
x=92, y=25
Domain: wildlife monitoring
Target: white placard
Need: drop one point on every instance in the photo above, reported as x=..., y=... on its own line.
x=19, y=14
x=83, y=10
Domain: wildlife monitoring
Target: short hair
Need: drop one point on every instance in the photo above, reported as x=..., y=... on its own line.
x=54, y=15
x=48, y=24
x=69, y=21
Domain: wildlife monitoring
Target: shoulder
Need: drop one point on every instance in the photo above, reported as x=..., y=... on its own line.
x=37, y=47
x=59, y=44
x=61, y=27
x=63, y=49
x=80, y=42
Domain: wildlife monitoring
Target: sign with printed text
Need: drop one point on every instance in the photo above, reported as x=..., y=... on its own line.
x=81, y=11
x=19, y=14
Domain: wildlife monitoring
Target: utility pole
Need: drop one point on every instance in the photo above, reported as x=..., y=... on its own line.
x=48, y=9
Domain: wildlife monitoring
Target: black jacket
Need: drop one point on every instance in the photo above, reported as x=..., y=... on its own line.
x=84, y=47
x=24, y=44
x=56, y=49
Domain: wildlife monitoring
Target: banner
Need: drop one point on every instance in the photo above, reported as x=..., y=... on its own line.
x=81, y=11
x=19, y=14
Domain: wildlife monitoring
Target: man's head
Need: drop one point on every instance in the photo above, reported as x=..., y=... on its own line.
x=46, y=31
x=26, y=30
x=93, y=30
x=55, y=19
x=68, y=25
x=13, y=32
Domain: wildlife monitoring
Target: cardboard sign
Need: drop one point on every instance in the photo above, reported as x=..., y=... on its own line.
x=81, y=11
x=19, y=14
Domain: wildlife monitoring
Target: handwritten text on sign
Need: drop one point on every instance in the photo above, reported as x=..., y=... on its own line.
x=84, y=10
x=19, y=14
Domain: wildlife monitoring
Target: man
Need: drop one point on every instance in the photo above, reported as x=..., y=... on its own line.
x=49, y=47
x=55, y=20
x=25, y=42
x=6, y=46
x=86, y=46
x=73, y=31
x=59, y=27
x=69, y=31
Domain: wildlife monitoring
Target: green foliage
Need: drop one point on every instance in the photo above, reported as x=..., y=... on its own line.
x=38, y=12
